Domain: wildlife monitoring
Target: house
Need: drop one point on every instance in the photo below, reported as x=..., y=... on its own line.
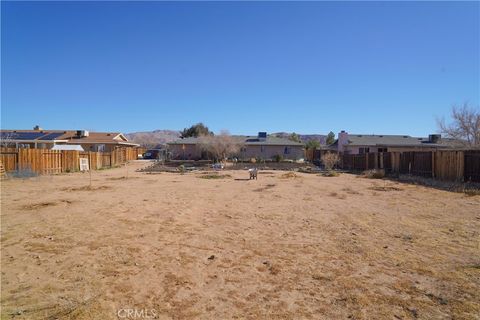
x=261, y=146
x=367, y=143
x=47, y=139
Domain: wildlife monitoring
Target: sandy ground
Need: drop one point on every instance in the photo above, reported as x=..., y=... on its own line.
x=174, y=246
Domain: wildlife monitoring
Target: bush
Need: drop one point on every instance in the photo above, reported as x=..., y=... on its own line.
x=374, y=174
x=330, y=160
x=330, y=173
x=278, y=158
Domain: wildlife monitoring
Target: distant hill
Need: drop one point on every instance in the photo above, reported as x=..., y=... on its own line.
x=304, y=137
x=152, y=139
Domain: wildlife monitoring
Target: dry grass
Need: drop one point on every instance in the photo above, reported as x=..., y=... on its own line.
x=214, y=176
x=349, y=190
x=121, y=178
x=337, y=195
x=374, y=174
x=385, y=188
x=289, y=175
x=306, y=248
x=45, y=204
x=87, y=188
x=330, y=173
x=471, y=192
x=266, y=187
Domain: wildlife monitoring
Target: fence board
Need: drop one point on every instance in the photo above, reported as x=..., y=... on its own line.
x=44, y=161
x=472, y=166
x=450, y=165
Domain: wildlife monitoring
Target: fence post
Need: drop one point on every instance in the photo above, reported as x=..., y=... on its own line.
x=461, y=166
x=433, y=164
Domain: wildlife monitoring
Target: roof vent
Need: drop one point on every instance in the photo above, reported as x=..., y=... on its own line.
x=82, y=133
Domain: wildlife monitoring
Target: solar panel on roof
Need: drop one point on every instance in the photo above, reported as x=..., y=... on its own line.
x=51, y=136
x=6, y=135
x=22, y=135
x=28, y=135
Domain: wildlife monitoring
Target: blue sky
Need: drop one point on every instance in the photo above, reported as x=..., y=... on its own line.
x=309, y=67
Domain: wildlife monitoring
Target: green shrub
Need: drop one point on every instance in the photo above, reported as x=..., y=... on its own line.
x=278, y=158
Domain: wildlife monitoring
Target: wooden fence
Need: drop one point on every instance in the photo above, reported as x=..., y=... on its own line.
x=451, y=165
x=44, y=161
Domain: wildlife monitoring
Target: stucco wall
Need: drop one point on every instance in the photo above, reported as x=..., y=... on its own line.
x=269, y=152
x=185, y=152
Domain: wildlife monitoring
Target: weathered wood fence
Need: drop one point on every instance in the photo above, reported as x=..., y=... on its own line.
x=451, y=165
x=44, y=161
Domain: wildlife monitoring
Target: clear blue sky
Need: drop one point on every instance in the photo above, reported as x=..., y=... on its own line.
x=310, y=67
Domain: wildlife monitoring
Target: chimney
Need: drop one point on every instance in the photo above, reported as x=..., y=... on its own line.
x=342, y=140
x=262, y=136
x=37, y=128
x=434, y=138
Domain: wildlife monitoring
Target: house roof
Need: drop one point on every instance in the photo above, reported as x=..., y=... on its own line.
x=247, y=140
x=398, y=141
x=64, y=136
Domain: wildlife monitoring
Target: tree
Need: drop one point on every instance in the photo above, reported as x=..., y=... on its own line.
x=465, y=125
x=312, y=144
x=330, y=138
x=221, y=146
x=197, y=130
x=7, y=140
x=294, y=137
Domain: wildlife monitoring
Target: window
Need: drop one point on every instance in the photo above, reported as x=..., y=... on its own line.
x=100, y=147
x=262, y=148
x=286, y=150
x=382, y=149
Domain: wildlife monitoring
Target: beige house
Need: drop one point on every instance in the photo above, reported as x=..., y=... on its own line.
x=349, y=143
x=261, y=146
x=47, y=139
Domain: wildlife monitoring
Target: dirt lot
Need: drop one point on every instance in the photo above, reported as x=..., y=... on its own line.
x=285, y=246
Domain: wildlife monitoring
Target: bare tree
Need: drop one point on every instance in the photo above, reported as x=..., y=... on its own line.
x=330, y=160
x=220, y=146
x=6, y=140
x=465, y=125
